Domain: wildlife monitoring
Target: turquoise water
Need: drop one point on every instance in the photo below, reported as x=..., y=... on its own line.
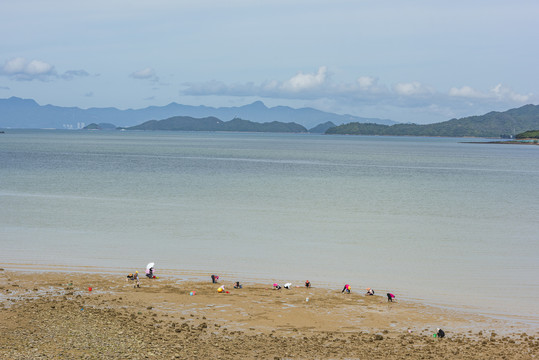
x=431, y=219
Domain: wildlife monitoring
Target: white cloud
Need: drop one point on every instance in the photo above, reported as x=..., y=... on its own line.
x=498, y=92
x=145, y=74
x=71, y=74
x=502, y=92
x=301, y=85
x=465, y=91
x=37, y=67
x=366, y=82
x=14, y=66
x=21, y=69
x=412, y=88
x=365, y=92
x=302, y=81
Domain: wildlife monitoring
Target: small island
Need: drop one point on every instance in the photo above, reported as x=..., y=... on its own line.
x=525, y=138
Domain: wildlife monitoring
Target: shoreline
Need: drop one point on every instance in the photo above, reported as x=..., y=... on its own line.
x=505, y=142
x=527, y=321
x=103, y=316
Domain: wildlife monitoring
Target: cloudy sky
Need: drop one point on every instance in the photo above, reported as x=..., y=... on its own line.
x=418, y=61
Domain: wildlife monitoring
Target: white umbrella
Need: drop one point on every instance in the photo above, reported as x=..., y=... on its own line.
x=150, y=265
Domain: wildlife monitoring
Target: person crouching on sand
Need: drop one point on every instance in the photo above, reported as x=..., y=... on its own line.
x=276, y=286
x=237, y=285
x=307, y=284
x=346, y=289
x=134, y=277
x=370, y=292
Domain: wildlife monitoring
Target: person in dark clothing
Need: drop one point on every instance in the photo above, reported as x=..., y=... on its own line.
x=346, y=289
x=214, y=279
x=440, y=333
x=307, y=284
x=390, y=297
x=237, y=285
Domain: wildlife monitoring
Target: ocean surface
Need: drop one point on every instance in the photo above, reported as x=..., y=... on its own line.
x=435, y=220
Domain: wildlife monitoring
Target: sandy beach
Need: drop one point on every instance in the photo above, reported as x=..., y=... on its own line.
x=50, y=315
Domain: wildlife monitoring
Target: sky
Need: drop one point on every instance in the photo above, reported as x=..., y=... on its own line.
x=420, y=61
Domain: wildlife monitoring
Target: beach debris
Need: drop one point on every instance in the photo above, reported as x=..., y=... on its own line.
x=192, y=293
x=89, y=289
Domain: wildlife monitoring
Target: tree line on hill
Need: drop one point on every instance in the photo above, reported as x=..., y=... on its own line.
x=187, y=123
x=532, y=134
x=211, y=123
x=493, y=124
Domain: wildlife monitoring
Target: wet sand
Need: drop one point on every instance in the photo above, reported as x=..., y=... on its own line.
x=55, y=316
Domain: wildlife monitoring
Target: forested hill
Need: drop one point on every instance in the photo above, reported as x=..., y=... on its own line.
x=493, y=124
x=187, y=123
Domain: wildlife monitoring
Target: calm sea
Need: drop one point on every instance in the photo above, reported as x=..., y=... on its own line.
x=429, y=219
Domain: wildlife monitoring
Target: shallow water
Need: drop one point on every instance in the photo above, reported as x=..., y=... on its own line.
x=429, y=219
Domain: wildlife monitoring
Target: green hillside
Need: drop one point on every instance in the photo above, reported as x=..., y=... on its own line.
x=493, y=124
x=532, y=134
x=187, y=123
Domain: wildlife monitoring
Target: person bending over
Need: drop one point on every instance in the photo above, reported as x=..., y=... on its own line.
x=440, y=333
x=370, y=292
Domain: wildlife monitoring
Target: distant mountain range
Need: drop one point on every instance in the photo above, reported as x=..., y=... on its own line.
x=26, y=113
x=494, y=124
